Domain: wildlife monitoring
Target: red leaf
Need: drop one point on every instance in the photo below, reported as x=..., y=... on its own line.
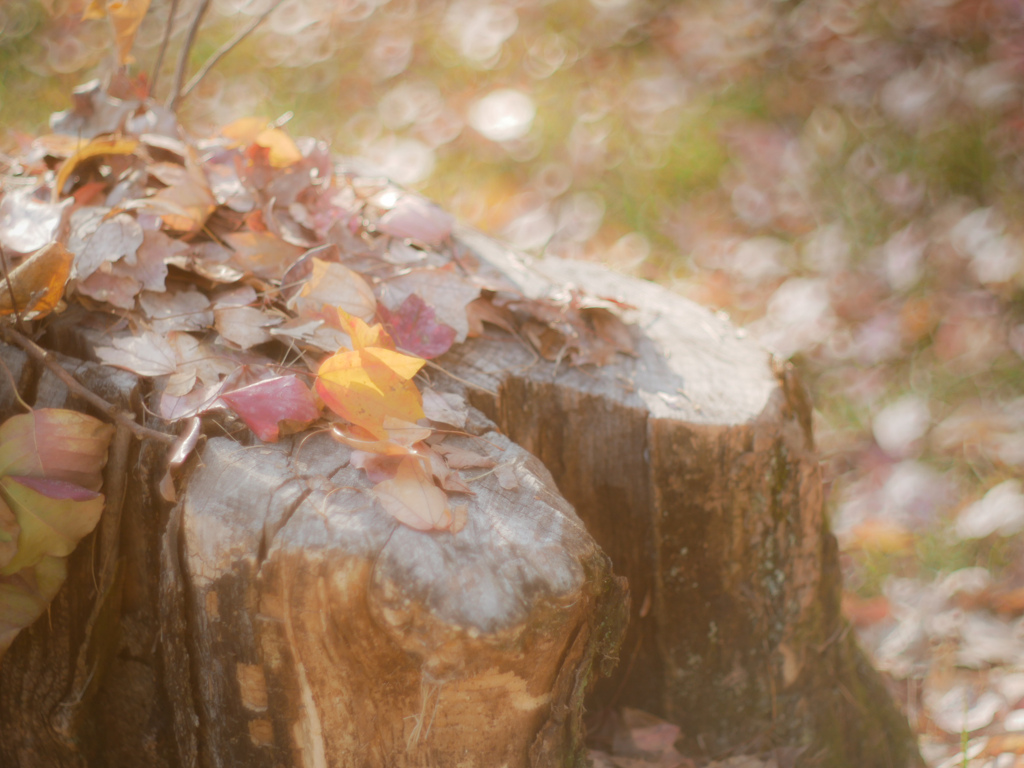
x=263, y=406
x=415, y=329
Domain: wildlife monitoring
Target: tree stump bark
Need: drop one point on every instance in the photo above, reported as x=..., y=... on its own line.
x=275, y=617
x=693, y=466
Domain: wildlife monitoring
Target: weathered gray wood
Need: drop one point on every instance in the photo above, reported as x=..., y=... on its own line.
x=693, y=466
x=323, y=633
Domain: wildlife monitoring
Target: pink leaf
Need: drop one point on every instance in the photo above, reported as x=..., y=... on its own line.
x=416, y=219
x=56, y=489
x=263, y=406
x=415, y=329
x=413, y=499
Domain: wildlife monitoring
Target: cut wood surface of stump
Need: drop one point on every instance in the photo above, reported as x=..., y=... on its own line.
x=291, y=622
x=328, y=634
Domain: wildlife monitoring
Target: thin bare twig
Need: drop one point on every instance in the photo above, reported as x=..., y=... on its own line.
x=47, y=358
x=14, y=385
x=10, y=290
x=163, y=47
x=449, y=374
x=183, y=54
x=225, y=49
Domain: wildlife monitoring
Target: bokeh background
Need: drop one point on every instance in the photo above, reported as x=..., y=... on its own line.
x=843, y=177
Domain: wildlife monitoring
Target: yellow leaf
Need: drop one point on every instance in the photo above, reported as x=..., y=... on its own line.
x=244, y=130
x=404, y=366
x=95, y=148
x=283, y=151
x=366, y=386
x=125, y=17
x=364, y=335
x=38, y=282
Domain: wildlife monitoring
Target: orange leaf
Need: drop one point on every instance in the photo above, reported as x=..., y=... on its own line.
x=282, y=150
x=413, y=499
x=95, y=148
x=367, y=385
x=364, y=335
x=38, y=282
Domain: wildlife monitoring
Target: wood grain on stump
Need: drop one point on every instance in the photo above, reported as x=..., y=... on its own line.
x=325, y=633
x=693, y=466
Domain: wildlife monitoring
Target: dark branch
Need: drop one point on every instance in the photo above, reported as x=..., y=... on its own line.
x=47, y=358
x=163, y=47
x=225, y=49
x=186, y=49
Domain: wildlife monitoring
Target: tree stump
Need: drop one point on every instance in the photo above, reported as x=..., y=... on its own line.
x=693, y=466
x=278, y=618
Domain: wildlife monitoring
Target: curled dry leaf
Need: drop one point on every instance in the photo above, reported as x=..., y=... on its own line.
x=506, y=475
x=445, y=408
x=186, y=202
x=37, y=283
x=417, y=219
x=461, y=458
x=244, y=326
x=94, y=112
x=95, y=148
x=412, y=498
x=125, y=17
x=398, y=442
x=28, y=224
x=333, y=285
x=55, y=443
x=147, y=354
x=114, y=238
x=261, y=253
x=483, y=310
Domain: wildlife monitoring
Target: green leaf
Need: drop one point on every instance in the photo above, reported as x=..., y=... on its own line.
x=53, y=515
x=55, y=443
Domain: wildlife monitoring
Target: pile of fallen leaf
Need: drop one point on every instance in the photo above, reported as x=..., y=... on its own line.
x=247, y=273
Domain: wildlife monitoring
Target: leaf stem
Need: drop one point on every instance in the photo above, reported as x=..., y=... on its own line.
x=10, y=290
x=449, y=374
x=48, y=359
